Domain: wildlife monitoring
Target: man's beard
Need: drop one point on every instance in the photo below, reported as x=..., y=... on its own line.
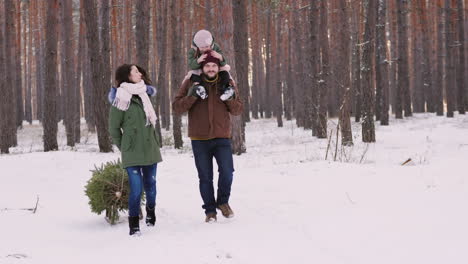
x=211, y=78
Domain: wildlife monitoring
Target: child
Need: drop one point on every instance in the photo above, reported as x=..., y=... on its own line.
x=203, y=45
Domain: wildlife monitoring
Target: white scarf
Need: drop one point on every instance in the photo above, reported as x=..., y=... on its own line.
x=124, y=96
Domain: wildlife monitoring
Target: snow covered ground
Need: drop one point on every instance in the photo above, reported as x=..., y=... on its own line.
x=291, y=205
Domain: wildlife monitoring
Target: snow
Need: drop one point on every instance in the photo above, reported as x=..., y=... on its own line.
x=291, y=205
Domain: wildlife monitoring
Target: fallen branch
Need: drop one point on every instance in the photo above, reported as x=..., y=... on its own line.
x=24, y=209
x=406, y=162
x=328, y=145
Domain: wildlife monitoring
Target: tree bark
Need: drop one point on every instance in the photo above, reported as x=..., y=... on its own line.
x=69, y=84
x=142, y=33
x=368, y=129
x=403, y=95
x=99, y=59
x=176, y=73
x=241, y=44
x=450, y=71
x=382, y=103
x=225, y=37
x=51, y=92
x=342, y=72
x=461, y=69
x=356, y=59
x=325, y=69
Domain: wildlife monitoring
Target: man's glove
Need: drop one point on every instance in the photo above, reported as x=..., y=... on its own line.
x=229, y=93
x=198, y=91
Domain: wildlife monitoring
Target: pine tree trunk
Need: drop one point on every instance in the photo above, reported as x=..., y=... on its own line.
x=356, y=59
x=450, y=74
x=426, y=56
x=176, y=73
x=296, y=56
x=393, y=29
x=325, y=69
x=225, y=37
x=268, y=64
x=382, y=103
x=289, y=94
x=19, y=117
x=461, y=69
x=51, y=91
x=10, y=75
x=368, y=129
x=163, y=91
x=256, y=56
x=342, y=72
x=403, y=96
x=27, y=62
x=279, y=67
x=142, y=33
x=417, y=67
x=241, y=44
x=99, y=59
x=68, y=73
x=4, y=100
x=441, y=59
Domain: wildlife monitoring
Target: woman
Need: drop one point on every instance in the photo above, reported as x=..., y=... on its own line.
x=132, y=120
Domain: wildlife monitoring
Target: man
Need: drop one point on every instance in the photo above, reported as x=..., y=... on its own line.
x=209, y=128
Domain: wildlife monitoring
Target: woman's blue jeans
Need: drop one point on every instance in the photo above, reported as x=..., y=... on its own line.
x=140, y=177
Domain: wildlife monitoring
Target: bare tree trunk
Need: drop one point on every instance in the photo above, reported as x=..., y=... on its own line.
x=5, y=102
x=403, y=93
x=241, y=44
x=450, y=71
x=10, y=75
x=289, y=94
x=461, y=78
x=356, y=59
x=176, y=73
x=225, y=37
x=256, y=57
x=50, y=103
x=269, y=69
x=17, y=72
x=368, y=129
x=393, y=30
x=426, y=57
x=142, y=33
x=416, y=63
x=342, y=72
x=163, y=87
x=278, y=69
x=325, y=69
x=100, y=74
x=382, y=66
x=28, y=109
x=68, y=73
x=298, y=67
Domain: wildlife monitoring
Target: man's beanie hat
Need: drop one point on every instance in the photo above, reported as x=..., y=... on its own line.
x=202, y=38
x=210, y=58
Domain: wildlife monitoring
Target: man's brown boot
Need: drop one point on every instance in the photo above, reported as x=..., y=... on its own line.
x=226, y=210
x=210, y=217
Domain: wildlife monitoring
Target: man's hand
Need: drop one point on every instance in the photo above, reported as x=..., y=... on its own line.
x=202, y=58
x=198, y=91
x=217, y=55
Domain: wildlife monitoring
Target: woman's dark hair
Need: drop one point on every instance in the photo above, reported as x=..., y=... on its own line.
x=123, y=72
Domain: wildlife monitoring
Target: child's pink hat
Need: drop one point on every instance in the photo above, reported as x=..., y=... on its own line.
x=203, y=38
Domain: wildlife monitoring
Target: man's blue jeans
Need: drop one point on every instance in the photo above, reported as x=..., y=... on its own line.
x=203, y=152
x=139, y=177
